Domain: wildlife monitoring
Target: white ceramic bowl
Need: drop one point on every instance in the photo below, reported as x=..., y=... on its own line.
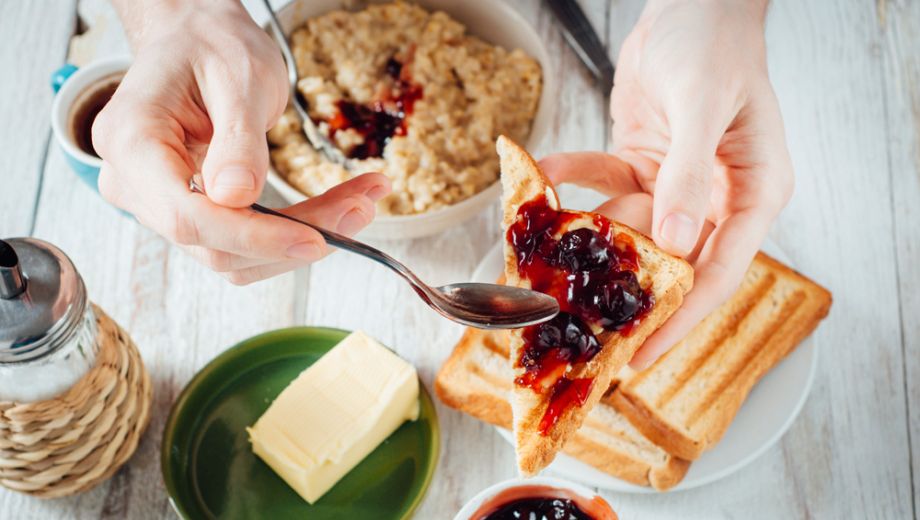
x=487, y=494
x=494, y=22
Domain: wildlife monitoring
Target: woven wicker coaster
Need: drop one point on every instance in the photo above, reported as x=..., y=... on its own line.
x=75, y=441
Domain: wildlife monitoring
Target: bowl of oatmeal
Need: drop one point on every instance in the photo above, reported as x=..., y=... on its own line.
x=417, y=91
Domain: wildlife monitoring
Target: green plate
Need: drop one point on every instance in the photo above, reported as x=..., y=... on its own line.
x=211, y=472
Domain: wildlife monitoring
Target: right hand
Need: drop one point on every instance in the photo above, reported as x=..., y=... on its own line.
x=700, y=161
x=205, y=86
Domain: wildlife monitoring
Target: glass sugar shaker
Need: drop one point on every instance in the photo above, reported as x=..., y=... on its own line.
x=47, y=326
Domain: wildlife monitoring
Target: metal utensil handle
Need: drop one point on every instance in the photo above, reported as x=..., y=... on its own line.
x=317, y=140
x=342, y=242
x=281, y=40
x=196, y=184
x=583, y=39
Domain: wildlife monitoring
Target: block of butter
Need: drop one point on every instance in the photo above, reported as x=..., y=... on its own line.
x=335, y=413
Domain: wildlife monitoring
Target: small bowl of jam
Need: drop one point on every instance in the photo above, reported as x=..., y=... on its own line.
x=539, y=498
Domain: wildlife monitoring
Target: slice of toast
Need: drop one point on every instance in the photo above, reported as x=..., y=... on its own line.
x=539, y=435
x=476, y=379
x=686, y=400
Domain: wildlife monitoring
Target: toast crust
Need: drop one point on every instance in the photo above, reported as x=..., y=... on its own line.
x=450, y=385
x=669, y=278
x=476, y=379
x=800, y=305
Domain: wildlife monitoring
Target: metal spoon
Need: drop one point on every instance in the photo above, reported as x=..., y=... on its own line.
x=316, y=138
x=480, y=305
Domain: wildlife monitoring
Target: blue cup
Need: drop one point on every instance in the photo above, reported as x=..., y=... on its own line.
x=72, y=87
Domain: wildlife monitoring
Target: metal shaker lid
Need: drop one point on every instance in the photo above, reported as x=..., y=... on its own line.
x=42, y=299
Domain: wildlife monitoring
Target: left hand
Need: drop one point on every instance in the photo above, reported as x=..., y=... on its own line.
x=205, y=86
x=700, y=161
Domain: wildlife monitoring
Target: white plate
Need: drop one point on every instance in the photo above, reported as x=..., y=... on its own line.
x=765, y=416
x=494, y=22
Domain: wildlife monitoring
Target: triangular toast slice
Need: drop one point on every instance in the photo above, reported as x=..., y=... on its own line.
x=476, y=379
x=615, y=288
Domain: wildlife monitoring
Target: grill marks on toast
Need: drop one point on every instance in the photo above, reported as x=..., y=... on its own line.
x=476, y=379
x=725, y=331
x=497, y=342
x=737, y=369
x=491, y=365
x=726, y=362
x=687, y=399
x=617, y=432
x=488, y=377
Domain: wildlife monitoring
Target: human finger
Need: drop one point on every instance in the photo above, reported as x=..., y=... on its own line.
x=262, y=272
x=721, y=266
x=602, y=172
x=236, y=162
x=634, y=210
x=222, y=261
x=683, y=186
x=346, y=208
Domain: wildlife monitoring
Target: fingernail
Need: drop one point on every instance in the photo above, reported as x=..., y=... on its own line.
x=236, y=178
x=377, y=192
x=680, y=231
x=351, y=223
x=304, y=250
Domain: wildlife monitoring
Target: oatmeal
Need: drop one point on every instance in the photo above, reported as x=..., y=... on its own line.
x=408, y=93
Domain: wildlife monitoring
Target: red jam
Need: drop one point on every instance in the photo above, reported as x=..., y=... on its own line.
x=378, y=122
x=530, y=502
x=551, y=348
x=593, y=276
x=566, y=392
x=539, y=509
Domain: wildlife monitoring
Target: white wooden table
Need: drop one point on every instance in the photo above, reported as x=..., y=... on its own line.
x=848, y=78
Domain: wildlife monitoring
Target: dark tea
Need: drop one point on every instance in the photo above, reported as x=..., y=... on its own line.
x=87, y=107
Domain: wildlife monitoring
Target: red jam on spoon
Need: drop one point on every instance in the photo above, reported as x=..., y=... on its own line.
x=593, y=276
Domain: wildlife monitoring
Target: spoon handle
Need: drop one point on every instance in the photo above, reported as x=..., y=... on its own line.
x=316, y=139
x=334, y=239
x=331, y=237
x=342, y=242
x=281, y=40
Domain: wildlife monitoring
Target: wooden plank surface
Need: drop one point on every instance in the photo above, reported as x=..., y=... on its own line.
x=830, y=227
x=848, y=78
x=901, y=57
x=44, y=27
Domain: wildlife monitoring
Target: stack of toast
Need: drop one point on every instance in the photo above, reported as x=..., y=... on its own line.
x=643, y=427
x=476, y=379
x=650, y=425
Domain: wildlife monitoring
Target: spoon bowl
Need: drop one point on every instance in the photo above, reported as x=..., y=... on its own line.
x=493, y=306
x=480, y=305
